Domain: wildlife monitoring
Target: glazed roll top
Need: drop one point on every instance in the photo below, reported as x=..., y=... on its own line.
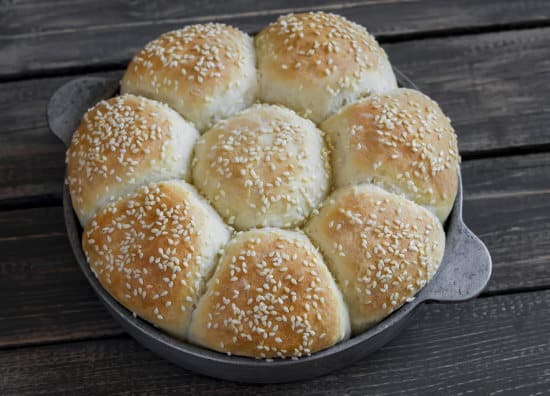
x=205, y=72
x=400, y=141
x=271, y=296
x=265, y=166
x=380, y=247
x=123, y=143
x=315, y=63
x=152, y=251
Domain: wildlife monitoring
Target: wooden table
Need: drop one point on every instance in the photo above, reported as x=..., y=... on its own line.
x=486, y=62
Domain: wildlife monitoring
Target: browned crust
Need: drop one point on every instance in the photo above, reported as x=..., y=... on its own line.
x=271, y=296
x=240, y=172
x=380, y=247
x=117, y=140
x=401, y=139
x=314, y=46
x=145, y=250
x=195, y=62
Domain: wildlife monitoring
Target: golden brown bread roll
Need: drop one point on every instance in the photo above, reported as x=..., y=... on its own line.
x=315, y=63
x=400, y=141
x=152, y=251
x=380, y=247
x=205, y=72
x=271, y=296
x=265, y=166
x=123, y=143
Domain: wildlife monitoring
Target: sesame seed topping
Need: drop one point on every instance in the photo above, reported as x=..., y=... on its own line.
x=323, y=42
x=155, y=285
x=275, y=317
x=387, y=256
x=196, y=54
x=401, y=141
x=271, y=163
x=117, y=139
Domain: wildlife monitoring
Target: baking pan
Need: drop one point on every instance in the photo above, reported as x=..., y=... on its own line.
x=463, y=273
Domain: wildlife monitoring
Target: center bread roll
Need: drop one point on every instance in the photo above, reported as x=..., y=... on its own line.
x=381, y=248
x=265, y=166
x=153, y=250
x=271, y=296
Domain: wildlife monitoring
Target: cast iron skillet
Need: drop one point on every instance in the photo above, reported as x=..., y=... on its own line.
x=463, y=274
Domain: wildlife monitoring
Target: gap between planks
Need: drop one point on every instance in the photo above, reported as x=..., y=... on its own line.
x=391, y=31
x=484, y=346
x=118, y=333
x=382, y=39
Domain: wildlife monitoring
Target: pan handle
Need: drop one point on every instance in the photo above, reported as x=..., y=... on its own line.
x=404, y=81
x=466, y=266
x=70, y=101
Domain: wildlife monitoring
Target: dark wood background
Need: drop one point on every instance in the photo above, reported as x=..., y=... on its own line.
x=486, y=62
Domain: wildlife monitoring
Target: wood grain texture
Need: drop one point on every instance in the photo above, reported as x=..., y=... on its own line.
x=38, y=37
x=491, y=346
x=46, y=298
x=31, y=157
x=494, y=86
x=40, y=16
x=507, y=204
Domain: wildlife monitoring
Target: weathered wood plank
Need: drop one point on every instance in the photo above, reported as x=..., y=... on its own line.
x=24, y=17
x=46, y=298
x=41, y=36
x=496, y=345
x=507, y=204
x=494, y=86
x=31, y=157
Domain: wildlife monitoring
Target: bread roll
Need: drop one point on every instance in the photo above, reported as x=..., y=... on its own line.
x=271, y=296
x=153, y=249
x=265, y=166
x=380, y=247
x=205, y=72
x=315, y=63
x=401, y=141
x=123, y=143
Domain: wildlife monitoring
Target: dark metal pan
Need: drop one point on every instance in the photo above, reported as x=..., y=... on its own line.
x=463, y=274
